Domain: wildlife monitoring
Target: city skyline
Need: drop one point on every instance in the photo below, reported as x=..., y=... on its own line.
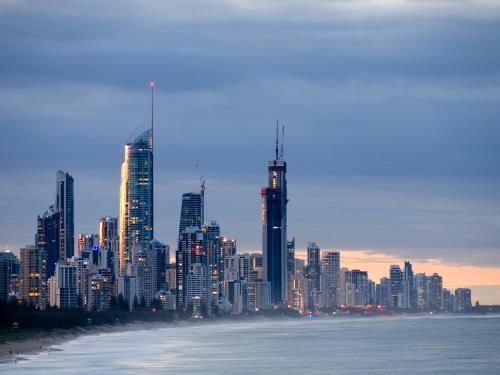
x=419, y=188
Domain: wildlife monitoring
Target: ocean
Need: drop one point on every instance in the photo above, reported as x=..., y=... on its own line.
x=418, y=344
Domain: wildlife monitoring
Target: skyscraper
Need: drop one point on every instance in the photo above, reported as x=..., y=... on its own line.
x=109, y=245
x=108, y=232
x=274, y=227
x=191, y=264
x=192, y=210
x=136, y=195
x=48, y=240
x=313, y=264
x=408, y=287
x=9, y=268
x=31, y=277
x=396, y=288
x=65, y=206
x=330, y=269
x=463, y=299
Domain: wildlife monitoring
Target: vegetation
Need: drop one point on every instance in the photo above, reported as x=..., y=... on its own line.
x=15, y=316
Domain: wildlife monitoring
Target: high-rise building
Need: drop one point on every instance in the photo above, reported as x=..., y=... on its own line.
x=372, y=293
x=383, y=292
x=463, y=299
x=48, y=240
x=65, y=206
x=448, y=300
x=435, y=292
x=396, y=290
x=108, y=232
x=408, y=287
x=99, y=294
x=290, y=257
x=159, y=255
x=226, y=247
x=421, y=291
x=356, y=282
x=190, y=251
x=192, y=210
x=62, y=287
x=330, y=268
x=212, y=233
x=87, y=247
x=313, y=264
x=274, y=227
x=136, y=194
x=9, y=269
x=31, y=277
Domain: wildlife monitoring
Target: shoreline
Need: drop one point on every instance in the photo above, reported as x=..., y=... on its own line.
x=41, y=341
x=36, y=342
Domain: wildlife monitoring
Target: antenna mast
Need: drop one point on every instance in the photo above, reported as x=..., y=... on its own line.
x=282, y=140
x=152, y=85
x=277, y=136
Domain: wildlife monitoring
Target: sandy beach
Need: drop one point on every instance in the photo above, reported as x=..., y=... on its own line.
x=16, y=346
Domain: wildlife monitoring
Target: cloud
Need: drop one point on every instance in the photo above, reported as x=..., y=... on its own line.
x=390, y=106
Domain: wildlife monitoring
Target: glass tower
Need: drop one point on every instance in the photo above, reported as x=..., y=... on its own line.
x=136, y=194
x=65, y=206
x=191, y=211
x=274, y=237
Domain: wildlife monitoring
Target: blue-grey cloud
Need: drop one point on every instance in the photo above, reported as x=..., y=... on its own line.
x=391, y=112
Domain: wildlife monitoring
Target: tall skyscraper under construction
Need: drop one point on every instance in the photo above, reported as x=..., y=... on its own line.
x=274, y=228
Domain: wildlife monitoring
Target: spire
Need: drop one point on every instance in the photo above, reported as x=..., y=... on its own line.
x=277, y=136
x=152, y=85
x=282, y=141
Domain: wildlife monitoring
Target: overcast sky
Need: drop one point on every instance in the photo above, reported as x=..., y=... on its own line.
x=392, y=114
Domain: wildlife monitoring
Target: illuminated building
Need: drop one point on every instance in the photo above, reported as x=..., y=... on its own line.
x=31, y=279
x=136, y=195
x=197, y=292
x=62, y=287
x=226, y=247
x=84, y=269
x=108, y=232
x=109, y=245
x=99, y=294
x=290, y=266
x=191, y=252
x=192, y=210
x=274, y=227
x=330, y=268
x=212, y=233
x=421, y=290
x=396, y=290
x=408, y=288
x=65, y=206
x=88, y=247
x=167, y=299
x=9, y=269
x=47, y=239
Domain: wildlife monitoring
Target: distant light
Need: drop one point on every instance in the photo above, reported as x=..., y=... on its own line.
x=151, y=84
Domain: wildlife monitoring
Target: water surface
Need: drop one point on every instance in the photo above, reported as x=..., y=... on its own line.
x=384, y=345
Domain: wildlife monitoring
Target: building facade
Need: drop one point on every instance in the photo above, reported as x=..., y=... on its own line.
x=274, y=228
x=136, y=195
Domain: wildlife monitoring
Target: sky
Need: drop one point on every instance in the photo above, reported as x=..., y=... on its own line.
x=391, y=110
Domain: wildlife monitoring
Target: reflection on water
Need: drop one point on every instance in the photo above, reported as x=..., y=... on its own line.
x=417, y=345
